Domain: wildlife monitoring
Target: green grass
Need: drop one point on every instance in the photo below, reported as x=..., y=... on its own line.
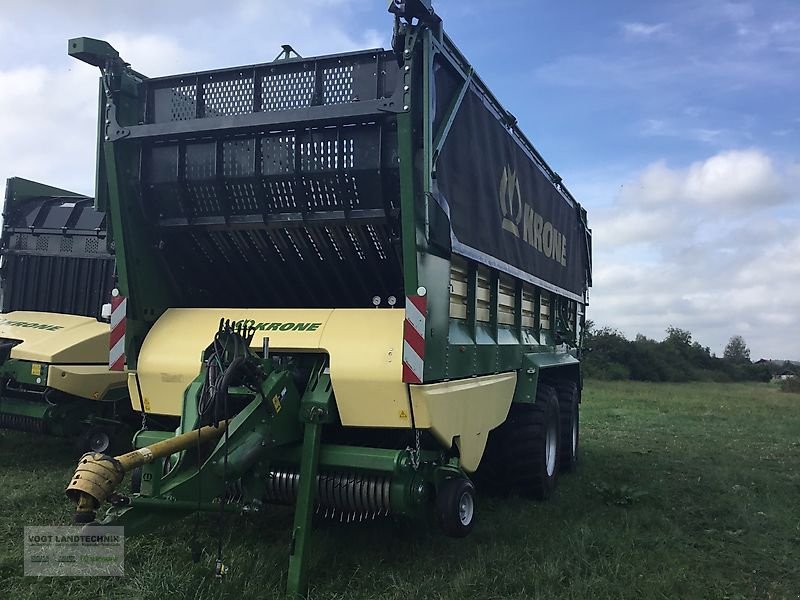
x=684, y=491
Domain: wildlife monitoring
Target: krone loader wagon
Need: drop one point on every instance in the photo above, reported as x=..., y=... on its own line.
x=57, y=272
x=352, y=277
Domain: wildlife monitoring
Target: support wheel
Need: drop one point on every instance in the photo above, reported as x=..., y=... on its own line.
x=97, y=439
x=455, y=507
x=533, y=442
x=569, y=409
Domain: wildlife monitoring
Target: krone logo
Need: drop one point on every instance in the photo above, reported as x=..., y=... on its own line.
x=537, y=231
x=510, y=200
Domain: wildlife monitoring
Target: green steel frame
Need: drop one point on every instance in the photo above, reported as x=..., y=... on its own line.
x=455, y=348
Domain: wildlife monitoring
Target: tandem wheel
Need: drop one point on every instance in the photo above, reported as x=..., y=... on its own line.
x=455, y=506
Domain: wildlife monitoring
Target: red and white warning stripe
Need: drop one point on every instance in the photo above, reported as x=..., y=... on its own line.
x=116, y=355
x=414, y=337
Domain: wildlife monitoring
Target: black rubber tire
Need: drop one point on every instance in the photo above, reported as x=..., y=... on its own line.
x=527, y=444
x=98, y=439
x=569, y=409
x=455, y=506
x=136, y=480
x=492, y=473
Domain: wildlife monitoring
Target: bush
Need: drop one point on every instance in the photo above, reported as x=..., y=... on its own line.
x=791, y=386
x=611, y=356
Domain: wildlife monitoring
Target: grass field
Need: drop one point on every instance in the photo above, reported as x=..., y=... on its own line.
x=684, y=491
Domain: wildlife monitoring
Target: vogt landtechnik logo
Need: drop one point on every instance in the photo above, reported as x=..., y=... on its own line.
x=97, y=551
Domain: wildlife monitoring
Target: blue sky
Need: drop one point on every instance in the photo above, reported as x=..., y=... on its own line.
x=675, y=123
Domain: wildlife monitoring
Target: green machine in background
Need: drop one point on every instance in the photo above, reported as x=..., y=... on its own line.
x=352, y=277
x=57, y=271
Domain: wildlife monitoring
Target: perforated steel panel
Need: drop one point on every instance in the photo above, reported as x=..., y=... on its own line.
x=176, y=103
x=266, y=205
x=301, y=212
x=317, y=169
x=277, y=86
x=337, y=84
x=92, y=245
x=228, y=96
x=282, y=91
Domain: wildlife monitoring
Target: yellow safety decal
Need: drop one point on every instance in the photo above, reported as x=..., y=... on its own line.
x=403, y=414
x=36, y=369
x=276, y=402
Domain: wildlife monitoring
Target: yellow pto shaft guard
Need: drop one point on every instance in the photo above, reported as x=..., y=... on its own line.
x=98, y=475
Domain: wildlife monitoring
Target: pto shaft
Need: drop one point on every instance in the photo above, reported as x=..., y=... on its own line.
x=98, y=475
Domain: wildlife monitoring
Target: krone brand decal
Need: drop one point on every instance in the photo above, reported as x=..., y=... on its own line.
x=278, y=326
x=535, y=230
x=510, y=201
x=42, y=326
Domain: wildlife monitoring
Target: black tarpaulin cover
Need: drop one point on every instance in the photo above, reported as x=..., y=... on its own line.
x=504, y=210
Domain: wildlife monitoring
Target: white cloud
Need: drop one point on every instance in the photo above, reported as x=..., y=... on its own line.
x=46, y=114
x=735, y=177
x=703, y=247
x=644, y=30
x=151, y=54
x=731, y=178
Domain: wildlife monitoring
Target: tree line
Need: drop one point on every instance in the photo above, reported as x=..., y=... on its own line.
x=610, y=355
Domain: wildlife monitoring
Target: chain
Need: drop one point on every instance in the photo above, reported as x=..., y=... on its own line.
x=416, y=451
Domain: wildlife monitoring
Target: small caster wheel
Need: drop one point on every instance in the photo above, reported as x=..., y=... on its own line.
x=455, y=507
x=97, y=439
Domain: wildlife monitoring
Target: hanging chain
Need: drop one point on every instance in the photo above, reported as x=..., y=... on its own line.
x=415, y=452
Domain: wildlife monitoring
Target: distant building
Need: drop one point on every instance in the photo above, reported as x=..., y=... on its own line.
x=781, y=369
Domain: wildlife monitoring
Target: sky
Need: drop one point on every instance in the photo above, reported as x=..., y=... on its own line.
x=676, y=124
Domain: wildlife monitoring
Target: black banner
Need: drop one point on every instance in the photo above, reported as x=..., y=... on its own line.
x=504, y=210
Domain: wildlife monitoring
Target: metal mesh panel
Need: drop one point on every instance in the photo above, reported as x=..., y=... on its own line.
x=338, y=84
x=92, y=245
x=334, y=168
x=239, y=161
x=278, y=86
x=243, y=215
x=296, y=210
x=282, y=91
x=228, y=97
x=176, y=103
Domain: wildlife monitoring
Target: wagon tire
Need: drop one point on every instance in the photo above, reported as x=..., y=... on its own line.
x=533, y=437
x=569, y=409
